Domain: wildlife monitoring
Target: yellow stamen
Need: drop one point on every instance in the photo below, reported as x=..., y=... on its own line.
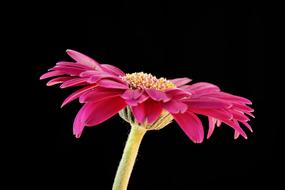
x=141, y=80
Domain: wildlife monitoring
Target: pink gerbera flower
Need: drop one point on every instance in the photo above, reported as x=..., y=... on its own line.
x=146, y=100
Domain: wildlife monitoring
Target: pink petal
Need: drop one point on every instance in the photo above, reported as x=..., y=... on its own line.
x=51, y=74
x=191, y=125
x=180, y=81
x=68, y=70
x=157, y=95
x=134, y=97
x=76, y=94
x=58, y=80
x=230, y=97
x=175, y=106
x=73, y=82
x=212, y=123
x=236, y=135
x=104, y=109
x=238, y=115
x=148, y=111
x=223, y=116
x=178, y=93
x=83, y=59
x=72, y=65
x=106, y=83
x=247, y=125
x=112, y=70
x=206, y=103
x=102, y=75
x=202, y=88
x=98, y=94
x=78, y=124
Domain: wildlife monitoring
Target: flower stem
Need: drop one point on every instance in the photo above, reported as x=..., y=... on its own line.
x=128, y=159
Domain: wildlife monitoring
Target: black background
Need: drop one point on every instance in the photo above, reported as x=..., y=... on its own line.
x=212, y=42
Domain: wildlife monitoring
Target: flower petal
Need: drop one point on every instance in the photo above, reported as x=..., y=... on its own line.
x=180, y=81
x=73, y=82
x=191, y=125
x=51, y=74
x=77, y=93
x=58, y=80
x=106, y=83
x=212, y=123
x=157, y=95
x=98, y=94
x=103, y=110
x=206, y=104
x=112, y=70
x=223, y=116
x=175, y=106
x=148, y=111
x=83, y=59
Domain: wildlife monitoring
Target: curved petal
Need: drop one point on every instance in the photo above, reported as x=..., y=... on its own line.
x=73, y=82
x=72, y=65
x=178, y=93
x=51, y=74
x=106, y=83
x=222, y=115
x=206, y=104
x=191, y=125
x=83, y=59
x=212, y=123
x=112, y=70
x=180, y=81
x=103, y=110
x=157, y=95
x=175, y=106
x=202, y=88
x=148, y=111
x=99, y=94
x=58, y=80
x=77, y=93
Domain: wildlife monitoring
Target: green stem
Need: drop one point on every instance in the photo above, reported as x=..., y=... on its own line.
x=128, y=159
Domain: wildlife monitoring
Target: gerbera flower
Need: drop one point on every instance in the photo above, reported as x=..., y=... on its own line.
x=146, y=102
x=106, y=90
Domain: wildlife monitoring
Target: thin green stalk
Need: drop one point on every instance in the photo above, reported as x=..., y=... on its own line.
x=128, y=159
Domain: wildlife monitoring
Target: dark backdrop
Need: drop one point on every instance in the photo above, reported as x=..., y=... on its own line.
x=214, y=42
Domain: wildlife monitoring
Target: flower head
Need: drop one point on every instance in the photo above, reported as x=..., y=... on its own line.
x=146, y=100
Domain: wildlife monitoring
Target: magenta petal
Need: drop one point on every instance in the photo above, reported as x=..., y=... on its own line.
x=201, y=88
x=247, y=125
x=73, y=82
x=191, y=125
x=175, y=106
x=148, y=111
x=103, y=110
x=78, y=124
x=212, y=123
x=58, y=80
x=76, y=94
x=157, y=95
x=180, y=81
x=68, y=70
x=222, y=115
x=83, y=59
x=99, y=94
x=51, y=74
x=178, y=93
x=112, y=70
x=106, y=83
x=236, y=135
x=206, y=104
x=72, y=65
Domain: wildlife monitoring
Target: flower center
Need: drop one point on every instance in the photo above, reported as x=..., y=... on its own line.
x=143, y=80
